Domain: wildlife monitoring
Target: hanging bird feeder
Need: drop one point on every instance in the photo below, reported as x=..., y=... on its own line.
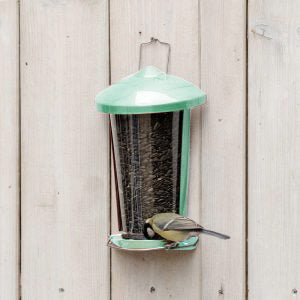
x=150, y=122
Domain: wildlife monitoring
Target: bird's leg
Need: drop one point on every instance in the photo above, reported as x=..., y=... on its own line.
x=171, y=245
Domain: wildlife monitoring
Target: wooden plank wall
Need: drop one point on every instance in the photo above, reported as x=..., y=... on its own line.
x=65, y=150
x=245, y=149
x=274, y=149
x=223, y=159
x=9, y=150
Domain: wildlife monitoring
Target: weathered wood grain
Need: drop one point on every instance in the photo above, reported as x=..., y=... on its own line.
x=9, y=150
x=274, y=150
x=223, y=78
x=65, y=151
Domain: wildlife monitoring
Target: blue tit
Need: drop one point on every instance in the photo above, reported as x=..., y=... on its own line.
x=175, y=228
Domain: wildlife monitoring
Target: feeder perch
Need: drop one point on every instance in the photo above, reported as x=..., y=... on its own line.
x=150, y=122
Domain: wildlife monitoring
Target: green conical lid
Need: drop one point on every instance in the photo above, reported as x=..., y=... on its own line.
x=149, y=91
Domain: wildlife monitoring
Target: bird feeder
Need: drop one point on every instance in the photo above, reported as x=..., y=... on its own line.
x=150, y=123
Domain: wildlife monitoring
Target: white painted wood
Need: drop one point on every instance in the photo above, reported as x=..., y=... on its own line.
x=9, y=150
x=155, y=275
x=65, y=151
x=223, y=72
x=274, y=150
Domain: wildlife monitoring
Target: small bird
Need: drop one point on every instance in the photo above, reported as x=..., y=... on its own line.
x=175, y=228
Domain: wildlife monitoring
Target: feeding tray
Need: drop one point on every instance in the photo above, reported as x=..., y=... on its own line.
x=116, y=241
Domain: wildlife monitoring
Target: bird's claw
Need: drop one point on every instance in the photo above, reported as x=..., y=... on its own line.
x=171, y=245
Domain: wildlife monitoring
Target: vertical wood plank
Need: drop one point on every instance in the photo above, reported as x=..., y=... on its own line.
x=223, y=78
x=163, y=275
x=65, y=150
x=9, y=150
x=274, y=149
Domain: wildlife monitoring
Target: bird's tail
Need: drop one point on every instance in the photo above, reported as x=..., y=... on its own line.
x=216, y=234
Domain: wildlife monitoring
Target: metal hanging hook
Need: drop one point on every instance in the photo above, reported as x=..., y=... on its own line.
x=153, y=41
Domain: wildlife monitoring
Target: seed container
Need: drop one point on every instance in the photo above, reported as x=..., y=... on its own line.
x=150, y=124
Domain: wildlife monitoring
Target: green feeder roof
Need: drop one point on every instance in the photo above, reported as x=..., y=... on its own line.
x=149, y=91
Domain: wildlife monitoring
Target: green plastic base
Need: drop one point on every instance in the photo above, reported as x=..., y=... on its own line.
x=116, y=241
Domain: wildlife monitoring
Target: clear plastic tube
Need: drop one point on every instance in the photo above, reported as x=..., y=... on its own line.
x=147, y=150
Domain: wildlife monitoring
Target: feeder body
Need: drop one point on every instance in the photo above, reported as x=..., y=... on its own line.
x=150, y=122
x=147, y=150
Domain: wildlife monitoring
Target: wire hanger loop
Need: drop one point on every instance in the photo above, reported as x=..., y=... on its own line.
x=153, y=41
